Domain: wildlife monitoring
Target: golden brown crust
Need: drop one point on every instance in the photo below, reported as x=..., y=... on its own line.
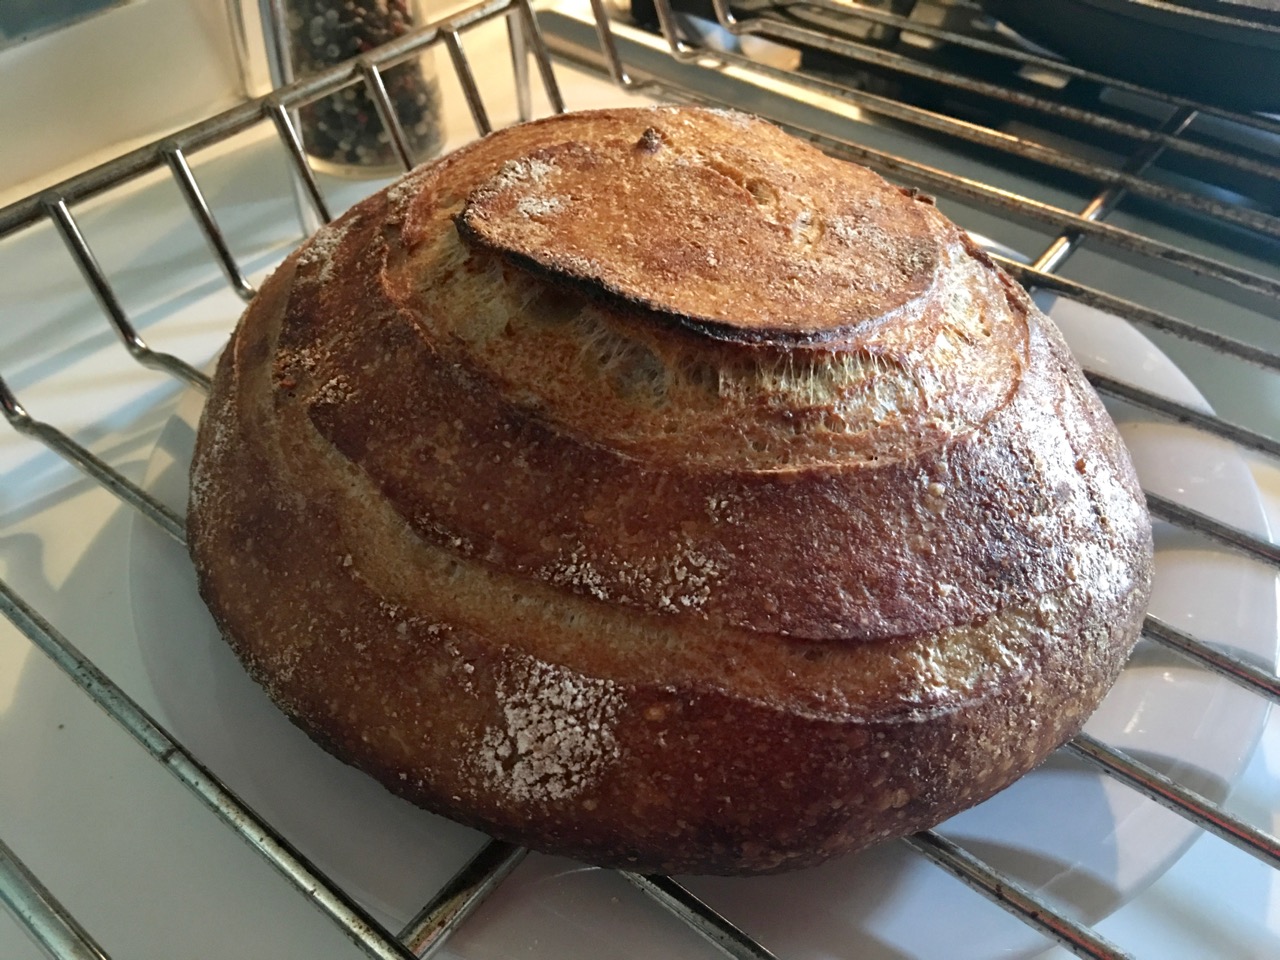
x=647, y=575
x=688, y=233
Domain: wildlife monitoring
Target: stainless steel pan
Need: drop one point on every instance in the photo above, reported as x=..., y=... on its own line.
x=1225, y=52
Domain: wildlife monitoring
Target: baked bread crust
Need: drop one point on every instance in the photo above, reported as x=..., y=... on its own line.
x=647, y=487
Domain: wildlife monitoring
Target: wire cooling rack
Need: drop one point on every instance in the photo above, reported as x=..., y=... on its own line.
x=1177, y=190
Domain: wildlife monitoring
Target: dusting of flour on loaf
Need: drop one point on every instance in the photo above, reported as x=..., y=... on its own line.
x=538, y=206
x=400, y=193
x=557, y=733
x=217, y=440
x=677, y=581
x=322, y=247
x=526, y=177
x=725, y=508
x=516, y=172
x=736, y=117
x=336, y=390
x=578, y=573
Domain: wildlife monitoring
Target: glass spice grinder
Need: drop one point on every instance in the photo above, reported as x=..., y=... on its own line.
x=343, y=133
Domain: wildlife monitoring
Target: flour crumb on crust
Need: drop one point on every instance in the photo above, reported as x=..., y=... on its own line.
x=404, y=190
x=557, y=733
x=335, y=391
x=735, y=117
x=725, y=508
x=539, y=206
x=522, y=170
x=577, y=573
x=680, y=580
x=322, y=247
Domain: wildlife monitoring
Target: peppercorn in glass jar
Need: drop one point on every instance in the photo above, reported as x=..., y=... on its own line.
x=343, y=133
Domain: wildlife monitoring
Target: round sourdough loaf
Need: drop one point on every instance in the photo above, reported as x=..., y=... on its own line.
x=648, y=487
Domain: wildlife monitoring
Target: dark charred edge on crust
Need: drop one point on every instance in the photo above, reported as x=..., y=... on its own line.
x=609, y=296
x=1015, y=294
x=915, y=193
x=975, y=251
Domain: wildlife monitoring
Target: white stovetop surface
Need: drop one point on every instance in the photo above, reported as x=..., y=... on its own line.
x=142, y=865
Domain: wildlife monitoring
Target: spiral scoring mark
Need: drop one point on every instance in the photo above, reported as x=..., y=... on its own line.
x=600, y=407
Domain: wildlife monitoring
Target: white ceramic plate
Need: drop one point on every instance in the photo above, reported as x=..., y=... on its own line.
x=1077, y=836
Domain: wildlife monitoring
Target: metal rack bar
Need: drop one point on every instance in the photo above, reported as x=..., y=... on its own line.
x=199, y=208
x=1182, y=801
x=768, y=24
x=1106, y=201
x=305, y=176
x=110, y=303
x=1182, y=413
x=52, y=926
x=239, y=118
x=609, y=47
x=680, y=50
x=1053, y=65
x=702, y=919
x=457, y=899
x=541, y=56
x=1128, y=310
x=386, y=112
x=1163, y=508
x=1013, y=897
x=453, y=43
x=1259, y=681
x=516, y=33
x=362, y=928
x=53, y=438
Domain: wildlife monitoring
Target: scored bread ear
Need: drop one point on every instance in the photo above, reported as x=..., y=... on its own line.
x=737, y=243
